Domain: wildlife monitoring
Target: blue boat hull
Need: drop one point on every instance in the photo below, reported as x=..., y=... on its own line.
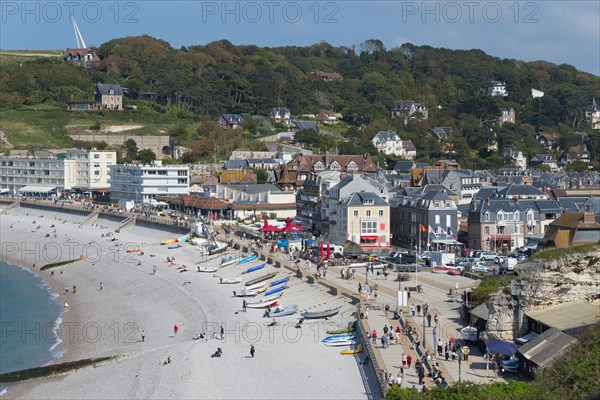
x=276, y=290
x=280, y=281
x=247, y=259
x=256, y=268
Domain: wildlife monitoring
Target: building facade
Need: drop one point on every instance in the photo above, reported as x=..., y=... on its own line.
x=363, y=218
x=142, y=183
x=76, y=170
x=109, y=96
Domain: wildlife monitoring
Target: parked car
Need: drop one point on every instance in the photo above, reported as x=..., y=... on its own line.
x=487, y=256
x=455, y=267
x=479, y=268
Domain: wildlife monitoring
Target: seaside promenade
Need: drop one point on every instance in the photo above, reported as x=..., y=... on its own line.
x=475, y=368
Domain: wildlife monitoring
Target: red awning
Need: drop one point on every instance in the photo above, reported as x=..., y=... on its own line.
x=370, y=237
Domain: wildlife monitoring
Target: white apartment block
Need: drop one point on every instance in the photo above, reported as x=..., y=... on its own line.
x=142, y=183
x=76, y=170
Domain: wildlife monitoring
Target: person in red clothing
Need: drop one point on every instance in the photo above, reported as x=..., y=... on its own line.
x=175, y=329
x=408, y=360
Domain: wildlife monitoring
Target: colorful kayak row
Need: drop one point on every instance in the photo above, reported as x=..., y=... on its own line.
x=181, y=239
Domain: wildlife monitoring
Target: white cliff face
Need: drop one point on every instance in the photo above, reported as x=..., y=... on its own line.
x=569, y=279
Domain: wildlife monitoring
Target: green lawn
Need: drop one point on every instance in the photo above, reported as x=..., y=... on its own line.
x=554, y=254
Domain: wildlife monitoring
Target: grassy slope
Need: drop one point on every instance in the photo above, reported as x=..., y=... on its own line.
x=47, y=127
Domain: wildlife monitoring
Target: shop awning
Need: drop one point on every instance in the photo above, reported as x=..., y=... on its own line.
x=2, y=191
x=502, y=347
x=369, y=237
x=37, y=189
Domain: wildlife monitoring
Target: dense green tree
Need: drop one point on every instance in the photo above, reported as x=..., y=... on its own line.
x=131, y=149
x=262, y=176
x=146, y=156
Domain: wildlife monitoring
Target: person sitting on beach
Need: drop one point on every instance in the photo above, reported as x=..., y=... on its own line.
x=217, y=353
x=273, y=323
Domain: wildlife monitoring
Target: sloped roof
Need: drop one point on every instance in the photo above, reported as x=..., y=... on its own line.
x=358, y=199
x=104, y=88
x=386, y=136
x=568, y=315
x=572, y=220
x=543, y=349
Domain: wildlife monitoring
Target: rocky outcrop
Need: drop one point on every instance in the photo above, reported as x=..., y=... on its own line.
x=549, y=283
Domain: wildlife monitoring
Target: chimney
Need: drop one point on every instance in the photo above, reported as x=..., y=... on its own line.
x=487, y=201
x=589, y=217
x=516, y=199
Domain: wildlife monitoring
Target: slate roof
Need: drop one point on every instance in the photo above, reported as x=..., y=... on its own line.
x=235, y=164
x=572, y=204
x=358, y=198
x=404, y=166
x=441, y=131
x=255, y=188
x=520, y=190
x=302, y=125
x=104, y=88
x=386, y=136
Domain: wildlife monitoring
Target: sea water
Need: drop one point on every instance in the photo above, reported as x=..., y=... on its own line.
x=29, y=316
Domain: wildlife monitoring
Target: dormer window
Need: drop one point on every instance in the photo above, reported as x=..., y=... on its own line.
x=368, y=202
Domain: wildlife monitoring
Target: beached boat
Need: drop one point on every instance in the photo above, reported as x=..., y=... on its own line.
x=276, y=290
x=469, y=333
x=321, y=314
x=255, y=268
x=280, y=281
x=230, y=280
x=230, y=262
x=216, y=248
x=175, y=246
x=245, y=293
x=133, y=250
x=340, y=331
x=256, y=286
x=269, y=304
x=358, y=350
x=282, y=311
x=170, y=241
x=338, y=335
x=268, y=299
x=330, y=339
x=261, y=278
x=208, y=269
x=247, y=259
x=341, y=343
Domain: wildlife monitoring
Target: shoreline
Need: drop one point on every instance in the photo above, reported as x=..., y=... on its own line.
x=110, y=321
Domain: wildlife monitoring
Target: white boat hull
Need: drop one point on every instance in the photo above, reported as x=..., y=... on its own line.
x=341, y=343
x=229, y=281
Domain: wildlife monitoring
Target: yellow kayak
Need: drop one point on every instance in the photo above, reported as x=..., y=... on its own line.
x=359, y=349
x=170, y=241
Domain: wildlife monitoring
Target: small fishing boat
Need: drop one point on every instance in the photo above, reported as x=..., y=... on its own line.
x=208, y=269
x=256, y=286
x=280, y=281
x=230, y=262
x=358, y=350
x=321, y=314
x=245, y=293
x=268, y=299
x=230, y=280
x=338, y=337
x=282, y=311
x=175, y=246
x=170, y=241
x=276, y=290
x=133, y=250
x=341, y=343
x=269, y=304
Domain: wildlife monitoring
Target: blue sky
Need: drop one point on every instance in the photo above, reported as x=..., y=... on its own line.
x=556, y=31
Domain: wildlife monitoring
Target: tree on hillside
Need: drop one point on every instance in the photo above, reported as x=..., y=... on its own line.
x=146, y=156
x=262, y=176
x=131, y=149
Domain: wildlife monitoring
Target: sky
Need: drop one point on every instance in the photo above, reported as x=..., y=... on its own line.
x=562, y=32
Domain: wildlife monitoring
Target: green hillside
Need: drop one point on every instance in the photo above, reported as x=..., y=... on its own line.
x=201, y=82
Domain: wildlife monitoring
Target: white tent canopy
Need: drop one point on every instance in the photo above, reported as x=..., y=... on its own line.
x=37, y=189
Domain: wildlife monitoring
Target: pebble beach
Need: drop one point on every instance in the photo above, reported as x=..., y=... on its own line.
x=119, y=299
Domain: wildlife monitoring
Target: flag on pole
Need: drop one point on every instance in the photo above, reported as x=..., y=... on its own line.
x=442, y=231
x=423, y=229
x=432, y=231
x=451, y=233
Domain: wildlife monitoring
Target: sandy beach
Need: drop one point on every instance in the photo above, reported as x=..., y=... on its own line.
x=289, y=362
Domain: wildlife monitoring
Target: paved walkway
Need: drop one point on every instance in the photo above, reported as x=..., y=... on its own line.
x=435, y=294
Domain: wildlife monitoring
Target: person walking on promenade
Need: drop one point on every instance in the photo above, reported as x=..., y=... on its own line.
x=143, y=335
x=101, y=286
x=222, y=333
x=244, y=305
x=175, y=329
x=252, y=350
x=408, y=360
x=428, y=320
x=412, y=309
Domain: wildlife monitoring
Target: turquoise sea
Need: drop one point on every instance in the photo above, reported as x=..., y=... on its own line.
x=29, y=315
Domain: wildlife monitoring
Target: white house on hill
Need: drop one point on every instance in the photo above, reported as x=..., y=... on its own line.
x=389, y=143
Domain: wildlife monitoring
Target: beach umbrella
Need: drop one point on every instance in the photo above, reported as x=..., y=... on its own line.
x=321, y=253
x=328, y=251
x=291, y=227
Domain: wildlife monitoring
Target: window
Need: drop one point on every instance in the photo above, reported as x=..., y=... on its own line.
x=486, y=230
x=96, y=155
x=380, y=213
x=368, y=213
x=355, y=213
x=448, y=221
x=437, y=219
x=368, y=227
x=486, y=216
